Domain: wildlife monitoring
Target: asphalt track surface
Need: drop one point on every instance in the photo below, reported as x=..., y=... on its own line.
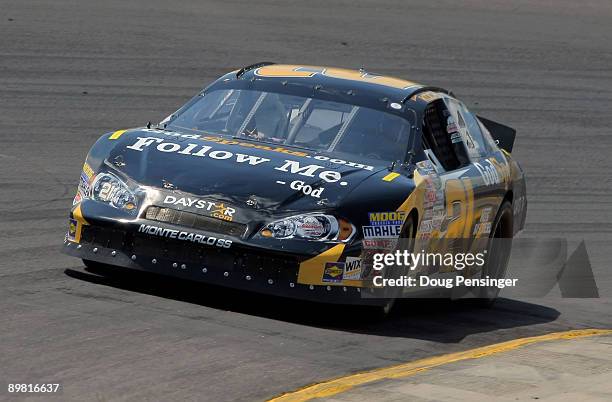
x=72, y=70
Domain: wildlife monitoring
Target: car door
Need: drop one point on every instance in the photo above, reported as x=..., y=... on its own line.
x=487, y=170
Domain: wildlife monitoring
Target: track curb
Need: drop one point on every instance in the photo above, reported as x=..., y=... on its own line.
x=341, y=384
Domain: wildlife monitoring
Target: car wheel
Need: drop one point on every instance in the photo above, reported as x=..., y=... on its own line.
x=498, y=254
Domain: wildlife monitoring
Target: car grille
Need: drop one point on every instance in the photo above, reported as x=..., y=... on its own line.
x=238, y=260
x=195, y=221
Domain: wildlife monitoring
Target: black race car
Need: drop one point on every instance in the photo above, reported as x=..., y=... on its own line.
x=285, y=179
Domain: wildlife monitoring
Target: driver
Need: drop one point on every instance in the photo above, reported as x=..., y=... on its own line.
x=392, y=132
x=269, y=121
x=375, y=135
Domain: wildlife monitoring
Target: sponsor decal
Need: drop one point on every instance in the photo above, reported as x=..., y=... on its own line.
x=311, y=227
x=84, y=178
x=486, y=228
x=352, y=268
x=438, y=216
x=271, y=148
x=205, y=151
x=426, y=168
x=379, y=244
x=426, y=226
x=371, y=247
x=72, y=229
x=77, y=198
x=222, y=212
x=430, y=195
x=333, y=272
x=184, y=236
x=426, y=96
x=216, y=210
x=387, y=218
x=482, y=229
x=434, y=210
x=84, y=183
x=376, y=232
x=88, y=171
x=425, y=236
x=252, y=201
x=296, y=71
x=485, y=214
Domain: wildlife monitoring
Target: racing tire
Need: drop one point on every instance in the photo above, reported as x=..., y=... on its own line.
x=498, y=254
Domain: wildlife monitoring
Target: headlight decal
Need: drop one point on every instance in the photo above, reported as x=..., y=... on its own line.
x=109, y=189
x=317, y=227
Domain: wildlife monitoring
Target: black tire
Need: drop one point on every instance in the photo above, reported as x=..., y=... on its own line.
x=498, y=253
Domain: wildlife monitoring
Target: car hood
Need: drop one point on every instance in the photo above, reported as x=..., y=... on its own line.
x=244, y=173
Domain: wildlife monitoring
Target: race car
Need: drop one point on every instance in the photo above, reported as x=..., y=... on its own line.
x=285, y=179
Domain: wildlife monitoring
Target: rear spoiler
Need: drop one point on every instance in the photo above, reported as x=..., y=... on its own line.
x=503, y=135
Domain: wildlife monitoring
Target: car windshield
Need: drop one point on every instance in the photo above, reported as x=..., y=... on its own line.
x=318, y=125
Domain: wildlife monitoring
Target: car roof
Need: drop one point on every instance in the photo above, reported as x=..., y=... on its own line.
x=342, y=79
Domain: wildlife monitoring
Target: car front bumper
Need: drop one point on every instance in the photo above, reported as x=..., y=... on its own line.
x=243, y=267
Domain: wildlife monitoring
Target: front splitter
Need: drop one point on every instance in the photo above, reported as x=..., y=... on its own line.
x=220, y=275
